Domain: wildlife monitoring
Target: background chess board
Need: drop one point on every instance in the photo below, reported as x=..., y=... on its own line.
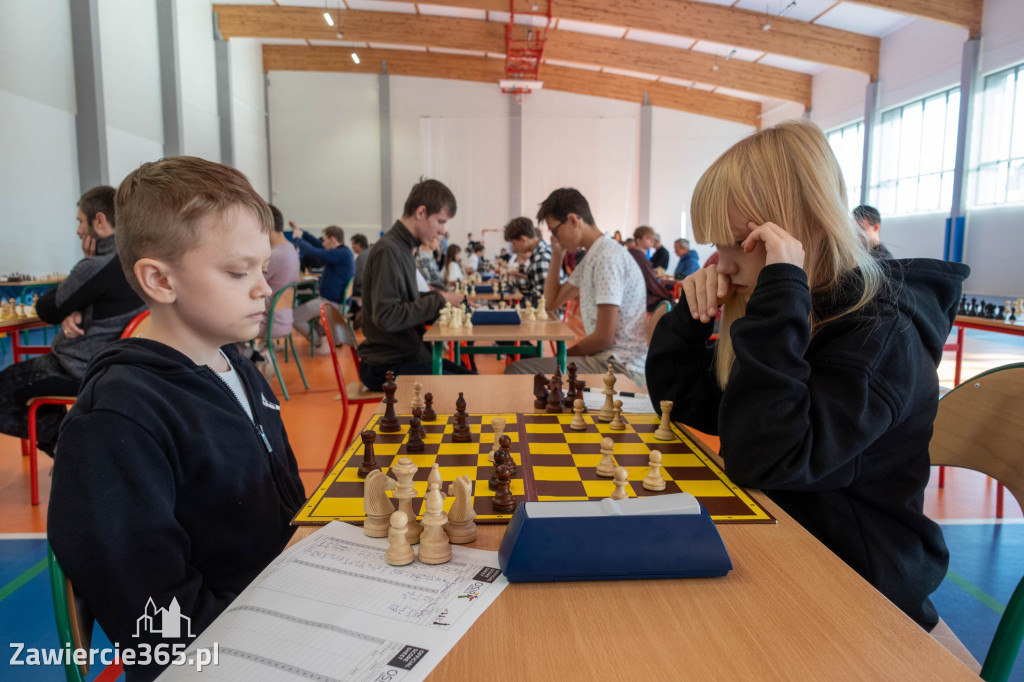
x=553, y=463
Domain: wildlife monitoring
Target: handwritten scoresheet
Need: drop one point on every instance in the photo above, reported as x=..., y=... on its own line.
x=331, y=608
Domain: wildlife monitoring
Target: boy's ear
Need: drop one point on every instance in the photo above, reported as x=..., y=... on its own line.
x=153, y=277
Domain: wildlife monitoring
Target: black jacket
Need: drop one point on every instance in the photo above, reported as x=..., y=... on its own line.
x=835, y=427
x=97, y=288
x=394, y=312
x=165, y=489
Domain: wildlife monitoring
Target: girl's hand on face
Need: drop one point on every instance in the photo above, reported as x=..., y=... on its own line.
x=781, y=246
x=704, y=291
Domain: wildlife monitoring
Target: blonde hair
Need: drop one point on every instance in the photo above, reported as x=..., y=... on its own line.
x=789, y=176
x=162, y=208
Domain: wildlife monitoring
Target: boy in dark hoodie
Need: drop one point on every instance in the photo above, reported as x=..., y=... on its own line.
x=176, y=481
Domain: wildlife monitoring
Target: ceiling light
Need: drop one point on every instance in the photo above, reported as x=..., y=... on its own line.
x=355, y=57
x=729, y=56
x=328, y=19
x=766, y=27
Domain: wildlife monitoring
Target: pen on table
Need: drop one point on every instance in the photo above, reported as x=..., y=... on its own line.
x=622, y=393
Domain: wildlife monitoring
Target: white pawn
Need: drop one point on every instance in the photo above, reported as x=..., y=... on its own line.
x=606, y=467
x=653, y=480
x=542, y=313
x=621, y=480
x=617, y=424
x=399, y=551
x=577, y=423
x=417, y=396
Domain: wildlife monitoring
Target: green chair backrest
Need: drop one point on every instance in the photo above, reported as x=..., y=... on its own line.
x=74, y=622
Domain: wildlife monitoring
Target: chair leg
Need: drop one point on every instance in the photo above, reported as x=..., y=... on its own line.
x=32, y=454
x=942, y=477
x=297, y=363
x=277, y=370
x=999, y=500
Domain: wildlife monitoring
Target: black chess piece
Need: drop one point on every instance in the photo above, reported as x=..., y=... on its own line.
x=415, y=442
x=554, y=405
x=963, y=305
x=428, y=408
x=540, y=391
x=505, y=444
x=503, y=502
x=580, y=386
x=570, y=394
x=460, y=434
x=389, y=422
x=973, y=310
x=501, y=458
x=369, y=461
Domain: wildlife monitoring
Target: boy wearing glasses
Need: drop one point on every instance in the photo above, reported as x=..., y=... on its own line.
x=609, y=284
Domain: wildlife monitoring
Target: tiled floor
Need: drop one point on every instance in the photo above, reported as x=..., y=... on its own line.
x=987, y=556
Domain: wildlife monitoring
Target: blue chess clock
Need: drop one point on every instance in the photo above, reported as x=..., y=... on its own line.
x=665, y=536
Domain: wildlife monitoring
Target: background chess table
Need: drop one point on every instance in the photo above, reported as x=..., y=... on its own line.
x=553, y=463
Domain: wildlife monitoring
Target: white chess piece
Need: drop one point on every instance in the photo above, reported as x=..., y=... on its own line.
x=621, y=480
x=405, y=493
x=654, y=480
x=399, y=551
x=376, y=504
x=606, y=467
x=542, y=312
x=460, y=527
x=498, y=424
x=577, y=423
x=607, y=412
x=664, y=430
x=435, y=548
x=617, y=424
x=417, y=396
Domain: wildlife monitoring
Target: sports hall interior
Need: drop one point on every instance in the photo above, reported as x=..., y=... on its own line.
x=333, y=118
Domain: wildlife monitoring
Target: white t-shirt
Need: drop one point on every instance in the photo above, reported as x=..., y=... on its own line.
x=609, y=276
x=234, y=382
x=454, y=271
x=421, y=283
x=473, y=262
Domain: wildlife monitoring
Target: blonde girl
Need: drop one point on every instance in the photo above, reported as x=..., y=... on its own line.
x=822, y=383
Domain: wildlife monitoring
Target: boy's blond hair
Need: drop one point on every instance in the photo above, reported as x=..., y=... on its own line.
x=789, y=176
x=163, y=208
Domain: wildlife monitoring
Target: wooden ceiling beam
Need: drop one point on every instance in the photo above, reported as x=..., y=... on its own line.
x=964, y=13
x=721, y=24
x=489, y=70
x=469, y=34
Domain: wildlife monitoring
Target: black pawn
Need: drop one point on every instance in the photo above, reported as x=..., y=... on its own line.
x=963, y=305
x=554, y=405
x=428, y=408
x=415, y=442
x=505, y=444
x=540, y=391
x=570, y=394
x=369, y=461
x=503, y=502
x=389, y=422
x=460, y=433
x=580, y=385
x=501, y=458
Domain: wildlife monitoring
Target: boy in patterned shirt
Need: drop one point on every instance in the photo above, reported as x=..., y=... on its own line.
x=526, y=242
x=610, y=287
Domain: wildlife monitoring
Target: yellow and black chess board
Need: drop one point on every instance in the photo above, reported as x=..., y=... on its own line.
x=553, y=462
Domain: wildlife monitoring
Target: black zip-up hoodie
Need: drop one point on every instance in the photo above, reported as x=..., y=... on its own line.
x=835, y=427
x=166, y=490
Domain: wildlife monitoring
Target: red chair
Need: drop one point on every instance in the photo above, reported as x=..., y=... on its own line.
x=136, y=327
x=339, y=332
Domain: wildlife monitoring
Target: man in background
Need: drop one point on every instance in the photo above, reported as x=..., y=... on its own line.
x=870, y=222
x=688, y=261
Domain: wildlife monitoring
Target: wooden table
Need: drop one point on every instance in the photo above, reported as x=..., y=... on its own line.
x=789, y=609
x=16, y=325
x=532, y=330
x=963, y=322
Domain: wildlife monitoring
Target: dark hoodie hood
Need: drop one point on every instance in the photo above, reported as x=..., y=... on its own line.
x=926, y=291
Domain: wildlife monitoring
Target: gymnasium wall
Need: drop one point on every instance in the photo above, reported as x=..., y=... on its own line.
x=38, y=166
x=325, y=158
x=918, y=59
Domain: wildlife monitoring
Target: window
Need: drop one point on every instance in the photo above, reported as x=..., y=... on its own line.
x=914, y=153
x=997, y=163
x=848, y=146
